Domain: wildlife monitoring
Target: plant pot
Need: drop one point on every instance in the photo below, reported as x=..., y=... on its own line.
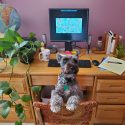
x=27, y=58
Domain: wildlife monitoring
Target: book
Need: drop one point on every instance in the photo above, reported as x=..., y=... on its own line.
x=109, y=44
x=113, y=64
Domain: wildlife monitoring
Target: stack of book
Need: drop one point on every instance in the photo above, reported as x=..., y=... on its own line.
x=111, y=42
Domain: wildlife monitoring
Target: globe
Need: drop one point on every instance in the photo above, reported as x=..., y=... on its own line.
x=9, y=18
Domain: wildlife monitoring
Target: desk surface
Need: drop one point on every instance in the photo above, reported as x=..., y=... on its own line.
x=41, y=68
x=19, y=69
x=38, y=67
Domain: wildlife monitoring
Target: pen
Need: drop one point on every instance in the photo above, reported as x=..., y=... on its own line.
x=114, y=62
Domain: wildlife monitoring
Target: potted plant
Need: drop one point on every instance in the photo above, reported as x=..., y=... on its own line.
x=120, y=50
x=13, y=46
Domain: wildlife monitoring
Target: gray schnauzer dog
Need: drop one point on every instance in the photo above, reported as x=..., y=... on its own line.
x=66, y=91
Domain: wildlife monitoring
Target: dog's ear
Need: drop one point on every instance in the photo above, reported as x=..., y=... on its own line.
x=59, y=57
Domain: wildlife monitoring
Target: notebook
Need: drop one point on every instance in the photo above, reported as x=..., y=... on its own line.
x=113, y=64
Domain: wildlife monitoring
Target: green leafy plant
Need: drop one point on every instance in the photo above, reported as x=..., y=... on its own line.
x=32, y=36
x=5, y=105
x=120, y=50
x=14, y=47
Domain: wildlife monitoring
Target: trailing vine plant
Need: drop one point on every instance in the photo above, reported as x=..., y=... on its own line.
x=12, y=47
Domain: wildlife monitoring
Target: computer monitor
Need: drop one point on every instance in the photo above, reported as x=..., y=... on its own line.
x=68, y=25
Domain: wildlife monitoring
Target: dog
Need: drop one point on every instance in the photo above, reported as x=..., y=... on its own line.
x=67, y=90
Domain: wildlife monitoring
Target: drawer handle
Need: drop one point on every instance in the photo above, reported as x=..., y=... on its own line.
x=113, y=98
x=108, y=110
x=112, y=86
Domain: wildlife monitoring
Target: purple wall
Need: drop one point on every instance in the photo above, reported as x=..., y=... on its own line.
x=105, y=15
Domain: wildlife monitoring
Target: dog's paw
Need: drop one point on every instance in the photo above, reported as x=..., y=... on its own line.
x=55, y=109
x=71, y=107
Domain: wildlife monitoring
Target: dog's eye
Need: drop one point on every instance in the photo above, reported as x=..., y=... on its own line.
x=75, y=60
x=65, y=60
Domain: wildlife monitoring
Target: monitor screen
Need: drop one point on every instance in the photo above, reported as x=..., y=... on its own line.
x=67, y=24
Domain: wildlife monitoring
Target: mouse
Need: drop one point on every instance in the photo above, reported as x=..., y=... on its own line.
x=95, y=62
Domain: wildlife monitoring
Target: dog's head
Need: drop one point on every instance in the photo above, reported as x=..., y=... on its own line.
x=68, y=63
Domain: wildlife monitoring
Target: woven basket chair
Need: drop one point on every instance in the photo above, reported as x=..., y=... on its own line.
x=81, y=116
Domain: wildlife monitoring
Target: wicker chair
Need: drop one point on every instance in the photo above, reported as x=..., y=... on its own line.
x=81, y=116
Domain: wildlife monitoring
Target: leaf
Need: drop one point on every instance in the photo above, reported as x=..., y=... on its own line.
x=22, y=116
x=5, y=112
x=32, y=35
x=36, y=88
x=23, y=44
x=5, y=45
x=34, y=49
x=10, y=52
x=6, y=105
x=14, y=96
x=1, y=49
x=4, y=85
x=16, y=46
x=7, y=91
x=18, y=123
x=19, y=39
x=14, y=61
x=10, y=35
x=13, y=36
x=37, y=43
x=20, y=111
x=26, y=98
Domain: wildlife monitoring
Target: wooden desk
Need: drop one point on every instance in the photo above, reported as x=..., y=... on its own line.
x=107, y=88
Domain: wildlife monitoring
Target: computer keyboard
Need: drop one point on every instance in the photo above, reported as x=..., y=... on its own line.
x=82, y=63
x=53, y=63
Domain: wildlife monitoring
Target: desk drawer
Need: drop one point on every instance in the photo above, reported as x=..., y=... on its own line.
x=44, y=80
x=110, y=114
x=52, y=80
x=111, y=98
x=110, y=85
x=85, y=80
x=18, y=83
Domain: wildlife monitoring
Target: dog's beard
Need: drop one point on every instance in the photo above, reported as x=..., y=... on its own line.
x=67, y=69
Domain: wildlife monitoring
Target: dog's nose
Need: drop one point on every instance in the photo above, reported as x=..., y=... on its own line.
x=72, y=67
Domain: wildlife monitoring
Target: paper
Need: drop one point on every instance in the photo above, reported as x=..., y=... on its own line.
x=113, y=64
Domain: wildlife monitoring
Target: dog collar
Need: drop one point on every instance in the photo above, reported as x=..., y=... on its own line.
x=66, y=87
